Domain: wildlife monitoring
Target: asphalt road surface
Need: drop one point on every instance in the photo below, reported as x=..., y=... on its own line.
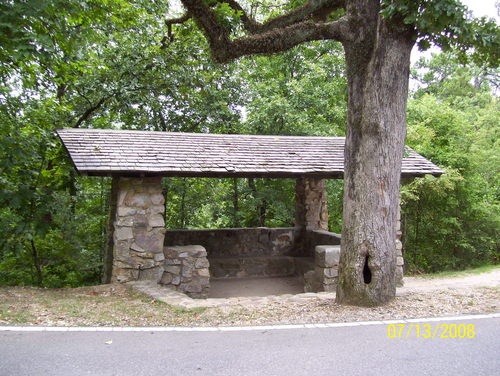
x=354, y=350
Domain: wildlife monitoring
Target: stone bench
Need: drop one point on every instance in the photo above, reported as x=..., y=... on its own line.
x=257, y=266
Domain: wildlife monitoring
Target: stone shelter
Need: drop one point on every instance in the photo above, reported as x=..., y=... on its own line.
x=142, y=249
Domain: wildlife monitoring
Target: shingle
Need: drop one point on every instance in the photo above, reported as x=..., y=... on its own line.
x=108, y=152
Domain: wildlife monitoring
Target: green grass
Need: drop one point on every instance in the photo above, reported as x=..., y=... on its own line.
x=462, y=273
x=15, y=315
x=185, y=311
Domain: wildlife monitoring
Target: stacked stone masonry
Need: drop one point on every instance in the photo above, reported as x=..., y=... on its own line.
x=139, y=230
x=256, y=266
x=399, y=251
x=187, y=270
x=139, y=238
x=326, y=269
x=242, y=252
x=311, y=209
x=237, y=242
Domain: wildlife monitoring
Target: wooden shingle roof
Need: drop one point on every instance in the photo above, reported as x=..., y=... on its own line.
x=101, y=152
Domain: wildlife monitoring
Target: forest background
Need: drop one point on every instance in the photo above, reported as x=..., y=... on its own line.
x=112, y=64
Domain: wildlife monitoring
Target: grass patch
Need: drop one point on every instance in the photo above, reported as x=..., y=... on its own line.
x=184, y=311
x=15, y=315
x=462, y=273
x=99, y=305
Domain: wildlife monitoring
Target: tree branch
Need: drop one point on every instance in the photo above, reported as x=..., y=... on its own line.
x=276, y=35
x=89, y=111
x=282, y=39
x=217, y=35
x=313, y=9
x=170, y=36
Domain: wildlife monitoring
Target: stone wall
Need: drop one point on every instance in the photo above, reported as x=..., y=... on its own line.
x=319, y=237
x=254, y=252
x=186, y=270
x=242, y=252
x=258, y=266
x=399, y=251
x=237, y=242
x=139, y=230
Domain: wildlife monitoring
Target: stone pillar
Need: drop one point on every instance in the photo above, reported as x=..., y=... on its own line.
x=326, y=269
x=139, y=230
x=311, y=210
x=399, y=250
x=187, y=270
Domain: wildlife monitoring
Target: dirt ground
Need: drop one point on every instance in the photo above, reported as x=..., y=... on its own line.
x=489, y=279
x=225, y=288
x=117, y=305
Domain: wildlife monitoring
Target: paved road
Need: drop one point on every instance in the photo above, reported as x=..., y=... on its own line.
x=357, y=350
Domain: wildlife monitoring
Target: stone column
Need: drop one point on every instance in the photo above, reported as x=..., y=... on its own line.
x=399, y=249
x=326, y=269
x=311, y=210
x=139, y=230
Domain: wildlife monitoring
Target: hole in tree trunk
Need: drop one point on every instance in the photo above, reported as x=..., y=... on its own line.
x=367, y=273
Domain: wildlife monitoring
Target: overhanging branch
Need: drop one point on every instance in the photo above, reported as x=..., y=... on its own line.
x=277, y=35
x=89, y=111
x=313, y=9
x=282, y=39
x=317, y=10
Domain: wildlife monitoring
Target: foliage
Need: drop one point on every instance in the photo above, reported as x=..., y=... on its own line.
x=107, y=63
x=452, y=222
x=449, y=25
x=77, y=64
x=300, y=92
x=225, y=203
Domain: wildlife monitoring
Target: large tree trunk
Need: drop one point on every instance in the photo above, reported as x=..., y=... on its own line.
x=378, y=71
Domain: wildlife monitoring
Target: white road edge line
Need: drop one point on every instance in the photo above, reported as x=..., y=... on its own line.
x=237, y=328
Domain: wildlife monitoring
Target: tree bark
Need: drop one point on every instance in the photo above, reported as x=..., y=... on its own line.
x=236, y=206
x=259, y=219
x=378, y=85
x=36, y=263
x=182, y=218
x=110, y=228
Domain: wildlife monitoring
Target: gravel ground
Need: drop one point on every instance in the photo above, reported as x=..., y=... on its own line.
x=430, y=283
x=115, y=305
